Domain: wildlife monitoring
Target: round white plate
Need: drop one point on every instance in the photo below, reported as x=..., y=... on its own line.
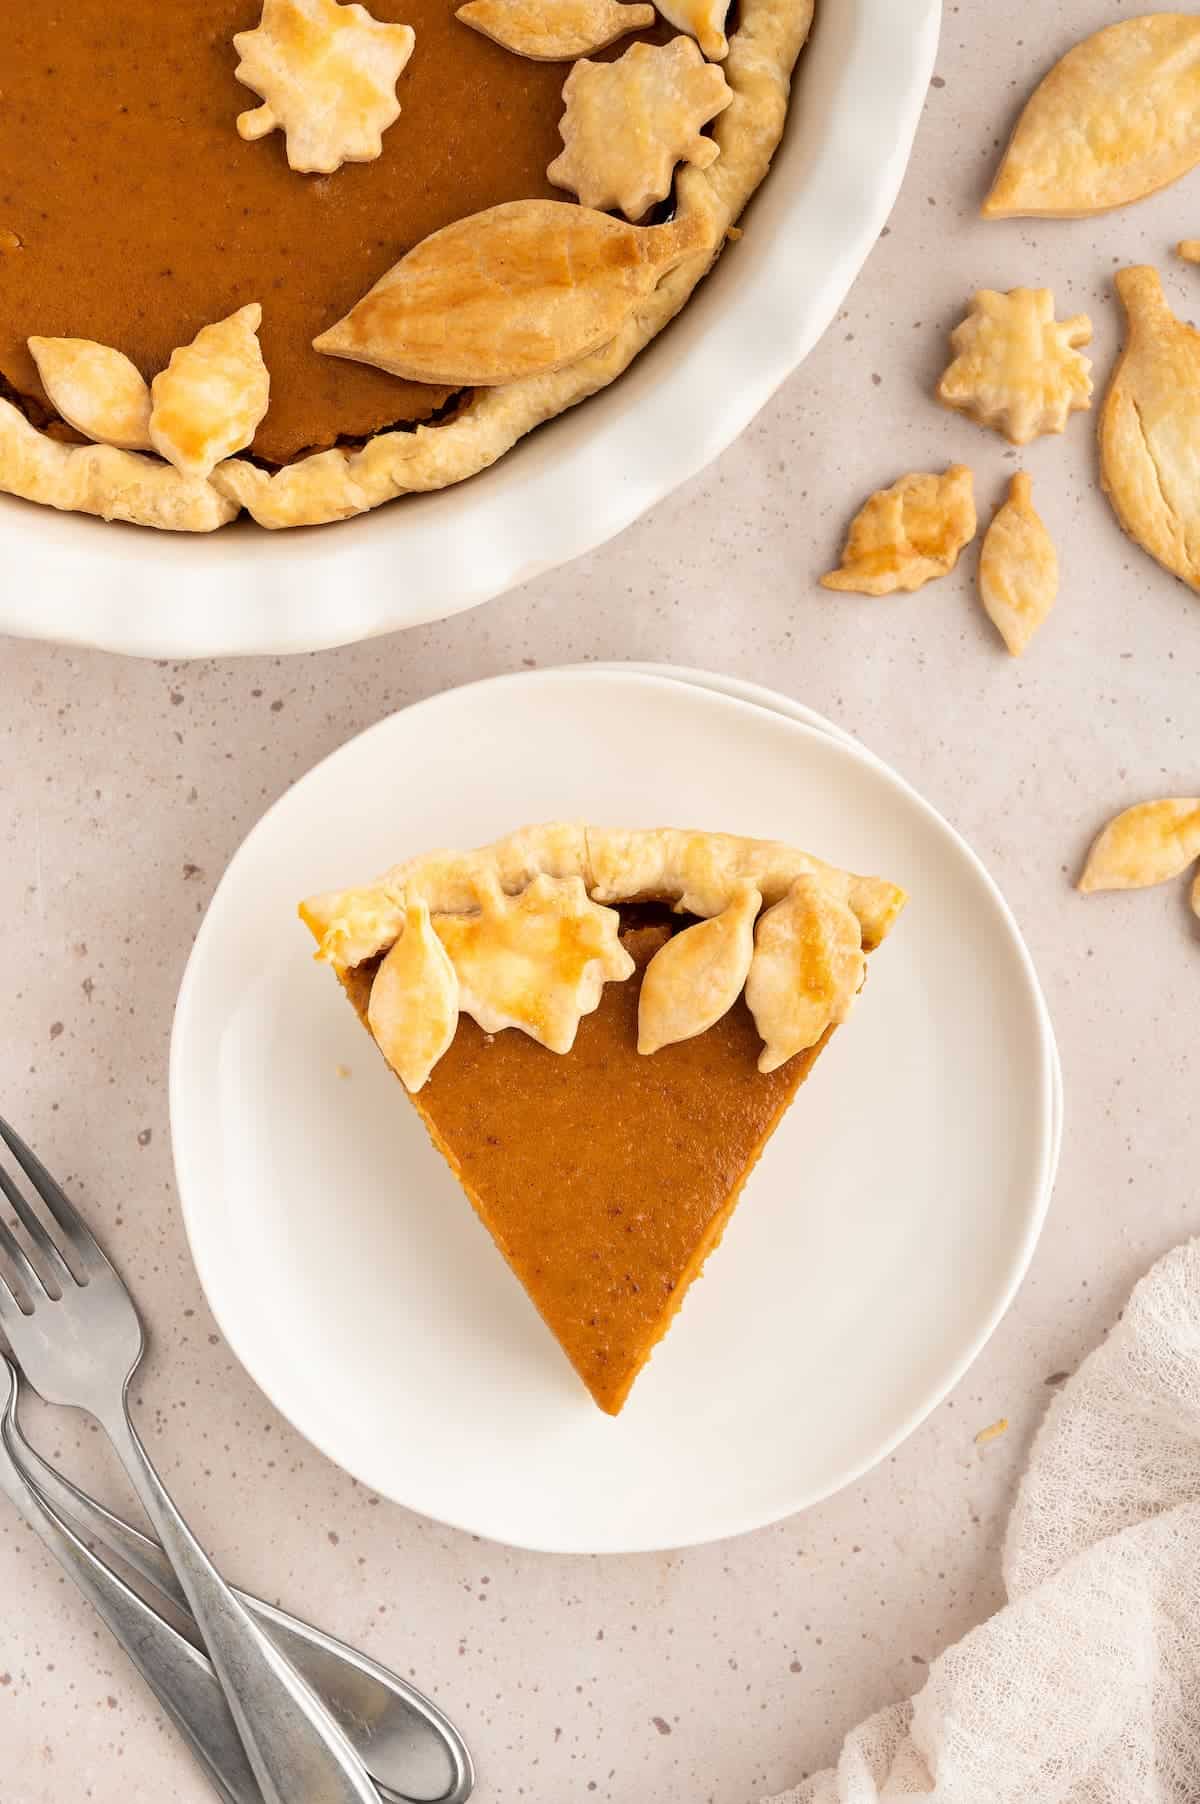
x=567, y=487
x=876, y=1247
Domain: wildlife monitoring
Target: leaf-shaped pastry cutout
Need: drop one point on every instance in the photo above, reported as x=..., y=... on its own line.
x=413, y=1008
x=628, y=124
x=1148, y=844
x=1150, y=428
x=327, y=74
x=553, y=31
x=1117, y=118
x=903, y=537
x=210, y=398
x=96, y=390
x=703, y=20
x=808, y=967
x=515, y=291
x=698, y=975
x=1188, y=249
x=1018, y=568
x=1016, y=368
x=538, y=961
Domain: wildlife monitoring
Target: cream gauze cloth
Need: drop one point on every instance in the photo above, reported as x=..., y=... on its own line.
x=1085, y=1688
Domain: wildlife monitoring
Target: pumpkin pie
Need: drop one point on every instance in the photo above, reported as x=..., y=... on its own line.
x=274, y=236
x=601, y=1029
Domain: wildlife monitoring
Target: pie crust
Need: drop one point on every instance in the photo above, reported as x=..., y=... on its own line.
x=531, y=931
x=337, y=484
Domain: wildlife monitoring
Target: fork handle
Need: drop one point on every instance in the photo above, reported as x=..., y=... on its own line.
x=298, y=1753
x=181, y=1679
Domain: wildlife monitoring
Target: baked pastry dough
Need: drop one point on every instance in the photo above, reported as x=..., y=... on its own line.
x=210, y=398
x=1015, y=367
x=530, y=930
x=703, y=20
x=97, y=390
x=1018, y=568
x=1145, y=845
x=629, y=123
x=519, y=290
x=903, y=537
x=1116, y=119
x=327, y=74
x=1150, y=428
x=552, y=31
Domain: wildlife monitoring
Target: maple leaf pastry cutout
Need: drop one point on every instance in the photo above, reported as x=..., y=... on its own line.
x=629, y=123
x=327, y=75
x=1016, y=368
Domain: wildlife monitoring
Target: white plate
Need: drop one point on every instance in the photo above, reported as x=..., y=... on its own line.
x=878, y=1243
x=569, y=486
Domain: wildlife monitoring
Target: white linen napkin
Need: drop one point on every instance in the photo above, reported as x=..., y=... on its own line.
x=1085, y=1688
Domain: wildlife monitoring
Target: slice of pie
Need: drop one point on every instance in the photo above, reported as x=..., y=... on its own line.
x=601, y=1030
x=173, y=168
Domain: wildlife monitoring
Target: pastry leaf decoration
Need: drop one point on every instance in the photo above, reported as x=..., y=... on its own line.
x=413, y=1008
x=808, y=968
x=96, y=390
x=1016, y=368
x=1150, y=428
x=552, y=31
x=327, y=75
x=698, y=975
x=1145, y=845
x=518, y=290
x=538, y=961
x=209, y=400
x=628, y=124
x=1116, y=119
x=905, y=536
x=1018, y=568
x=703, y=20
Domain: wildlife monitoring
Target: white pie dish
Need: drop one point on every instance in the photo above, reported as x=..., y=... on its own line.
x=573, y=483
x=863, y=1271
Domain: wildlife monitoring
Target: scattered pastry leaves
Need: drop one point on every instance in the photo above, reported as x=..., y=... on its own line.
x=1116, y=119
x=1015, y=368
x=1188, y=249
x=96, y=390
x=1018, y=568
x=1148, y=844
x=628, y=124
x=703, y=20
x=327, y=75
x=209, y=400
x=1150, y=428
x=516, y=291
x=905, y=536
x=552, y=31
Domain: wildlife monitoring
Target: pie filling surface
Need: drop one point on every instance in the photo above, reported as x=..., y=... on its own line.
x=153, y=217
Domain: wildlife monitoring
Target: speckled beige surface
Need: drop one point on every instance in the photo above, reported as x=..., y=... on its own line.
x=727, y=1671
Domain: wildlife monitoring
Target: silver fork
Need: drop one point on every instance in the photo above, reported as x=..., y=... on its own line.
x=79, y=1342
x=412, y=1751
